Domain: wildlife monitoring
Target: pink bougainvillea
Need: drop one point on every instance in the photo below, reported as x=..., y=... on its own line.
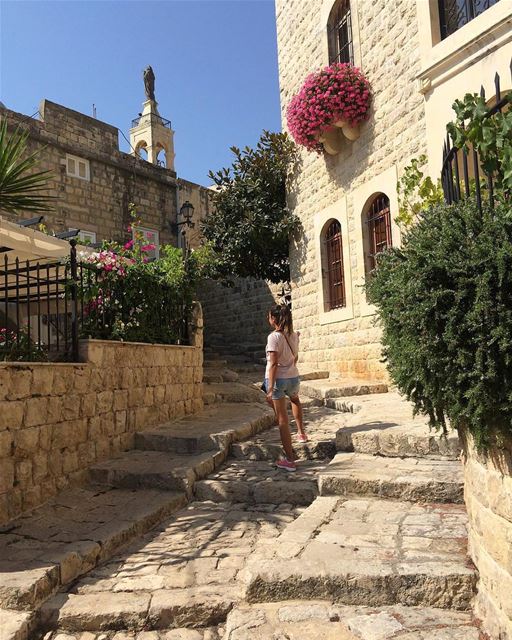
x=337, y=92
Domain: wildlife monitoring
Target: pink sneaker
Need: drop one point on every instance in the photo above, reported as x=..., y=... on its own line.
x=286, y=465
x=302, y=437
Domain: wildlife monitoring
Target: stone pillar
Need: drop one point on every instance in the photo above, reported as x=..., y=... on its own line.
x=195, y=326
x=488, y=496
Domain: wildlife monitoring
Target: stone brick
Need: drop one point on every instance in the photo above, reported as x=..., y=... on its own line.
x=55, y=407
x=66, y=434
x=120, y=422
x=11, y=415
x=39, y=466
x=36, y=411
x=6, y=440
x=20, y=383
x=120, y=399
x=42, y=380
x=23, y=473
x=6, y=474
x=88, y=405
x=81, y=378
x=105, y=402
x=71, y=407
x=26, y=442
x=5, y=382
x=62, y=382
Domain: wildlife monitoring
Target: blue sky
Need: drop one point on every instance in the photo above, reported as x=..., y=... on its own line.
x=215, y=63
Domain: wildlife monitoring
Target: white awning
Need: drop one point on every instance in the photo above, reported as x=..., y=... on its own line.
x=42, y=269
x=26, y=243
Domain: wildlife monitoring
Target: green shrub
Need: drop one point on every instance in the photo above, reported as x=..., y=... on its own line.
x=250, y=225
x=445, y=305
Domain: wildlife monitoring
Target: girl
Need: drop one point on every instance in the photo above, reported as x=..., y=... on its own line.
x=282, y=379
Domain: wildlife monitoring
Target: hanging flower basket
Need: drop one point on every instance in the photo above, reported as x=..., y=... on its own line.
x=335, y=99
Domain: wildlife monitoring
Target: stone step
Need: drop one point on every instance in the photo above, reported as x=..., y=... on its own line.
x=368, y=552
x=71, y=534
x=336, y=388
x=260, y=483
x=16, y=625
x=414, y=479
x=214, y=428
x=218, y=374
x=216, y=363
x=415, y=439
x=193, y=607
x=233, y=392
x=266, y=449
x=299, y=619
x=162, y=470
x=313, y=374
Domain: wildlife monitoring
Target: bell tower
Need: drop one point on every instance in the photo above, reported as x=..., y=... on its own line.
x=151, y=136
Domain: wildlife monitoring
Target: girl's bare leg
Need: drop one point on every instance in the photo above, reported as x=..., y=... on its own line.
x=297, y=414
x=284, y=427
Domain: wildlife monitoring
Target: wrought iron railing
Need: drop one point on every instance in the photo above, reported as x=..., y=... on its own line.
x=38, y=309
x=461, y=173
x=47, y=305
x=152, y=119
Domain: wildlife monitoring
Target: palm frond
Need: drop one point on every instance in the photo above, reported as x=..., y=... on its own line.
x=21, y=187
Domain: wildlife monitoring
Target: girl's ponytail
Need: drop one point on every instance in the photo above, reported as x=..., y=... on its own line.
x=282, y=316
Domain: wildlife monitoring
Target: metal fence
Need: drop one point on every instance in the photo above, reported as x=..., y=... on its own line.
x=461, y=172
x=38, y=309
x=134, y=309
x=46, y=306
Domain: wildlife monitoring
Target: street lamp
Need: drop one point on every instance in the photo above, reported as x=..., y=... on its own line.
x=186, y=212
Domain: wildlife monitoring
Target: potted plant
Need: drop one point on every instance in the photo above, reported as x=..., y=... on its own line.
x=335, y=98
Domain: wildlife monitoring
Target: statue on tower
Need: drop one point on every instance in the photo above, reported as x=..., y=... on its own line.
x=149, y=83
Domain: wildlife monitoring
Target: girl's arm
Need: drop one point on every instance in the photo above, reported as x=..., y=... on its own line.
x=271, y=373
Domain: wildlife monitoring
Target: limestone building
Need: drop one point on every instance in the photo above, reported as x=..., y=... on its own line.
x=94, y=182
x=419, y=56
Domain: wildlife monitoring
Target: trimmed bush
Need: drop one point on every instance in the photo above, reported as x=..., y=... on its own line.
x=445, y=305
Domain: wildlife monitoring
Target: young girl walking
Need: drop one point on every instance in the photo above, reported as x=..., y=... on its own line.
x=282, y=379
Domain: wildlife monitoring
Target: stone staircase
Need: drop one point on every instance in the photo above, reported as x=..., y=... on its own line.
x=366, y=540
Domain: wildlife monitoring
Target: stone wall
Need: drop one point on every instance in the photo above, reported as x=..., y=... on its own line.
x=488, y=496
x=238, y=315
x=58, y=419
x=386, y=47
x=99, y=204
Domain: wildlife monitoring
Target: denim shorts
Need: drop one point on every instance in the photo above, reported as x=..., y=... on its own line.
x=284, y=387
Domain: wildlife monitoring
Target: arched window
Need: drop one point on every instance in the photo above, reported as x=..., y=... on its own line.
x=141, y=151
x=334, y=271
x=161, y=156
x=378, y=220
x=339, y=32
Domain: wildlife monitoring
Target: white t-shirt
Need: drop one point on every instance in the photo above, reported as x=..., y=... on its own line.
x=286, y=367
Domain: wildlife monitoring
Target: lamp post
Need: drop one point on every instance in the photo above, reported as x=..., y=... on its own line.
x=186, y=212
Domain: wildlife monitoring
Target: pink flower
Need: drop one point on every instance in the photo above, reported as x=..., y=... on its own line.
x=148, y=247
x=339, y=91
x=128, y=245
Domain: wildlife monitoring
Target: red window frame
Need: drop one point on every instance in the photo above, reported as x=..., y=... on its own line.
x=378, y=220
x=335, y=272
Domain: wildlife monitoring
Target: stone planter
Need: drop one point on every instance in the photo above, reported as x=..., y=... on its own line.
x=488, y=497
x=351, y=133
x=332, y=138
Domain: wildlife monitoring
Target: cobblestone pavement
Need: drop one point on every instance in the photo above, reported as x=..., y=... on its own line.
x=184, y=573
x=257, y=534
